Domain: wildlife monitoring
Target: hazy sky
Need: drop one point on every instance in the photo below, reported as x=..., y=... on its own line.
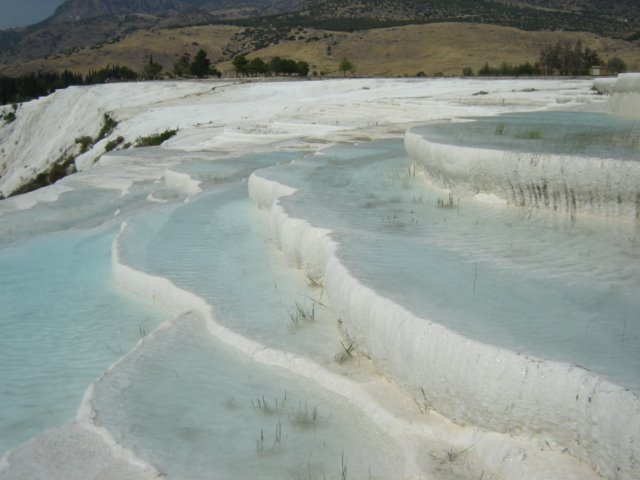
x=16, y=13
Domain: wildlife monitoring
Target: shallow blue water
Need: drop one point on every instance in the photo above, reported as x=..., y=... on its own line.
x=569, y=133
x=529, y=282
x=218, y=247
x=63, y=323
x=82, y=207
x=521, y=280
x=199, y=410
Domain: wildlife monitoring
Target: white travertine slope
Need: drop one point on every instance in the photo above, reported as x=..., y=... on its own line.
x=237, y=117
x=570, y=183
x=626, y=95
x=467, y=380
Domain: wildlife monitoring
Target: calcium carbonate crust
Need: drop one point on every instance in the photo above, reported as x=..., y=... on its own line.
x=563, y=183
x=466, y=380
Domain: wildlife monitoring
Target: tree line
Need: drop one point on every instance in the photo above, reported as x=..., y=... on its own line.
x=34, y=85
x=27, y=87
x=276, y=66
x=563, y=58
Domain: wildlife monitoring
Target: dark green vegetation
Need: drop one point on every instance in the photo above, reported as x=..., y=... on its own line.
x=108, y=124
x=199, y=67
x=9, y=117
x=62, y=167
x=20, y=89
x=339, y=15
x=277, y=66
x=567, y=59
x=508, y=70
x=113, y=144
x=346, y=66
x=616, y=65
x=106, y=22
x=151, y=70
x=65, y=164
x=156, y=139
x=558, y=59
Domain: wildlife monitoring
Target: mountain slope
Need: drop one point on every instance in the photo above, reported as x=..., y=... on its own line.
x=74, y=10
x=393, y=51
x=362, y=14
x=81, y=24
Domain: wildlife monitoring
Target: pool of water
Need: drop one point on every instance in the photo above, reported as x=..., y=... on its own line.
x=218, y=247
x=194, y=407
x=526, y=281
x=223, y=416
x=189, y=405
x=63, y=322
x=566, y=133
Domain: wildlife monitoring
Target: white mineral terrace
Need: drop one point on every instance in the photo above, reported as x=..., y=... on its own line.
x=323, y=279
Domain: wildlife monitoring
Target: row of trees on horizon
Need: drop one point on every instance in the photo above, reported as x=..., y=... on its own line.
x=558, y=59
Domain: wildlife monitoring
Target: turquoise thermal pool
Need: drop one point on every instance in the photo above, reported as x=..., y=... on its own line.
x=201, y=322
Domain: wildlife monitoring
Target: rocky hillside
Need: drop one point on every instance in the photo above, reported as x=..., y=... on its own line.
x=76, y=10
x=364, y=14
x=82, y=24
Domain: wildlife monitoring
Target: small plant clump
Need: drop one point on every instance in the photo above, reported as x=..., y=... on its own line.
x=85, y=142
x=108, y=125
x=113, y=144
x=446, y=203
x=62, y=167
x=9, y=117
x=276, y=441
x=300, y=315
x=344, y=354
x=530, y=135
x=265, y=407
x=304, y=416
x=155, y=139
x=451, y=455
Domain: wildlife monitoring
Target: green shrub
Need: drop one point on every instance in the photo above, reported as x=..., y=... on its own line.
x=108, y=125
x=9, y=117
x=85, y=142
x=62, y=167
x=155, y=139
x=113, y=144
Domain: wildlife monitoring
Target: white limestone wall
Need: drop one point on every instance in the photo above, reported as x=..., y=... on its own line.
x=564, y=183
x=626, y=95
x=466, y=380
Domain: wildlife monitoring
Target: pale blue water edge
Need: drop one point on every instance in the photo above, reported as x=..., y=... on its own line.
x=82, y=207
x=181, y=400
x=566, y=133
x=63, y=322
x=528, y=281
x=210, y=425
x=197, y=409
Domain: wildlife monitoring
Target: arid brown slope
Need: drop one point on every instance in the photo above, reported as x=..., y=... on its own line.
x=165, y=45
x=434, y=48
x=396, y=51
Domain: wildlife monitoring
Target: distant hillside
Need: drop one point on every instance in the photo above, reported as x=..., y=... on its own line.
x=439, y=48
x=76, y=10
x=91, y=24
x=73, y=10
x=364, y=14
x=625, y=10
